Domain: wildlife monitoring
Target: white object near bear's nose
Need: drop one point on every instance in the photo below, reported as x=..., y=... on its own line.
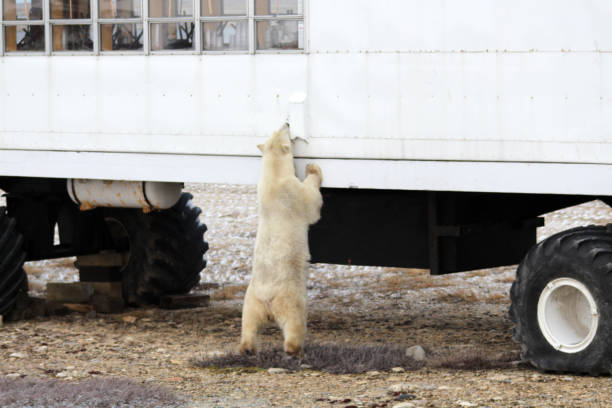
x=296, y=115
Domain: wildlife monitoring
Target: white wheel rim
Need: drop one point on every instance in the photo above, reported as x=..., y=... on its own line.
x=567, y=315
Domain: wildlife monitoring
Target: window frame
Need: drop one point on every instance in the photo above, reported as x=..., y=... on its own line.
x=162, y=20
x=49, y=22
x=197, y=19
x=250, y=5
x=118, y=20
x=9, y=23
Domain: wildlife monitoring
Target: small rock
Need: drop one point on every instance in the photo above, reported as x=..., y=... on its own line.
x=466, y=404
x=61, y=374
x=404, y=405
x=499, y=377
x=305, y=366
x=401, y=387
x=411, y=387
x=13, y=375
x=373, y=373
x=404, y=397
x=129, y=319
x=41, y=349
x=17, y=355
x=417, y=353
x=567, y=378
x=277, y=370
x=398, y=370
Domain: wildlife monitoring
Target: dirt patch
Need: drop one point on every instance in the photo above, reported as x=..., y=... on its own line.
x=462, y=319
x=114, y=392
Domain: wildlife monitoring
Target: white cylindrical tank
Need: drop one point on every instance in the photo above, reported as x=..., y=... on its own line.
x=148, y=195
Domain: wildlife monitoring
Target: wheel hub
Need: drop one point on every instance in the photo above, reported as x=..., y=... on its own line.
x=567, y=315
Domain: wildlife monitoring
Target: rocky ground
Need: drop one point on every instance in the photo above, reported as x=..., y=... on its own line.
x=460, y=313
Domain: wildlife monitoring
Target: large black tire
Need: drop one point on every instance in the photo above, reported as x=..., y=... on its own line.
x=166, y=251
x=13, y=279
x=562, y=302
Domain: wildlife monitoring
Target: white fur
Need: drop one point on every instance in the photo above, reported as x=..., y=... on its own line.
x=277, y=291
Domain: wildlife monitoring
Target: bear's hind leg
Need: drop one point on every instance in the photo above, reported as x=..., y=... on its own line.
x=253, y=316
x=291, y=317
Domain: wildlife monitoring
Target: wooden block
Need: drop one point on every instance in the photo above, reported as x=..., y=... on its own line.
x=56, y=308
x=208, y=285
x=109, y=289
x=110, y=258
x=73, y=292
x=183, y=301
x=99, y=274
x=79, y=307
x=37, y=307
x=107, y=304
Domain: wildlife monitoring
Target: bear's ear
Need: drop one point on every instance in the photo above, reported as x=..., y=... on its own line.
x=261, y=147
x=285, y=148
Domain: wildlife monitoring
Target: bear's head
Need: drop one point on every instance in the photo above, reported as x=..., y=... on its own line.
x=279, y=143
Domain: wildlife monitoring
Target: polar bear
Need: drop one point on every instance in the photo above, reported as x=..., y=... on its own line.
x=286, y=208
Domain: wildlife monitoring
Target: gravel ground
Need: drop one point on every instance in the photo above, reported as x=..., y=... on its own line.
x=465, y=312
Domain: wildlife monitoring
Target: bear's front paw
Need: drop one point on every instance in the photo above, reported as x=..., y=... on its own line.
x=313, y=168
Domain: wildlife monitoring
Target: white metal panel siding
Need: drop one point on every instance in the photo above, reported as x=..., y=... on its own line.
x=455, y=25
x=407, y=80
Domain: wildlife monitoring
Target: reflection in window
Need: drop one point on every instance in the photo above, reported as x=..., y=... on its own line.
x=172, y=36
x=211, y=8
x=22, y=10
x=280, y=34
x=170, y=8
x=266, y=7
x=74, y=37
x=121, y=37
x=120, y=8
x=70, y=9
x=24, y=38
x=225, y=35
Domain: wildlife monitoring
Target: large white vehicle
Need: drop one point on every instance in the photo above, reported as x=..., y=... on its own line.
x=443, y=128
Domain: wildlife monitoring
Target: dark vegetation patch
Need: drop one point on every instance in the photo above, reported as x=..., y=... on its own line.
x=99, y=393
x=471, y=359
x=331, y=358
x=343, y=359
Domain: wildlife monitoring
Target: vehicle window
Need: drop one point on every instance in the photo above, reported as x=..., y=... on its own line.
x=150, y=26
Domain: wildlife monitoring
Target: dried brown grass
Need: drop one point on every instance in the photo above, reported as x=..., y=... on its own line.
x=497, y=298
x=229, y=292
x=506, y=279
x=412, y=280
x=459, y=295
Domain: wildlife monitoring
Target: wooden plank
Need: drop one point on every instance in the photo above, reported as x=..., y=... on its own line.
x=110, y=258
x=184, y=301
x=107, y=304
x=73, y=292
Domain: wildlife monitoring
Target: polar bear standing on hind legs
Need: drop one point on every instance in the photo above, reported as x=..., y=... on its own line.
x=287, y=207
